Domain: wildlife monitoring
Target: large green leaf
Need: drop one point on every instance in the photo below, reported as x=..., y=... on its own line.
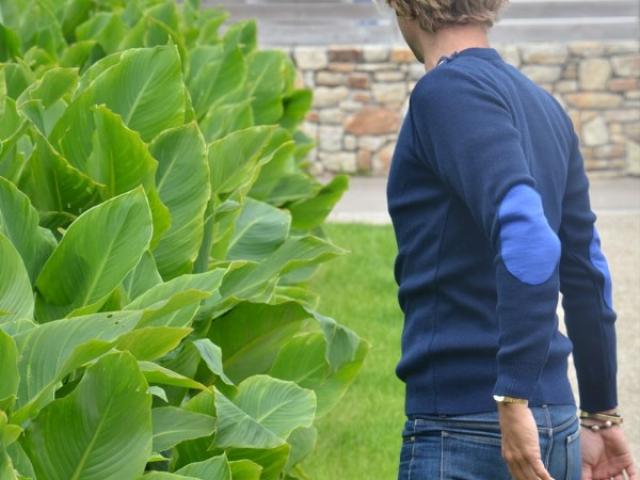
x=14, y=328
x=16, y=77
x=251, y=335
x=183, y=185
x=257, y=281
x=281, y=406
x=154, y=373
x=16, y=297
x=281, y=180
x=145, y=89
x=9, y=377
x=234, y=158
x=7, y=472
x=41, y=29
x=144, y=86
x=304, y=360
x=121, y=161
x=82, y=54
x=102, y=430
x=303, y=442
x=144, y=276
x=20, y=460
x=221, y=225
x=9, y=44
x=224, y=118
x=75, y=13
x=259, y=230
x=197, y=450
x=94, y=71
x=264, y=412
x=296, y=107
x=19, y=223
x=106, y=28
x=172, y=425
x=342, y=342
x=51, y=351
x=178, y=310
x=242, y=34
x=42, y=102
x=14, y=151
x=152, y=342
x=175, y=302
x=245, y=470
x=164, y=476
x=310, y=213
x=10, y=120
x=215, y=468
x=214, y=71
x=212, y=356
x=9, y=432
x=272, y=460
x=267, y=85
x=53, y=184
x=95, y=254
x=237, y=428
x=55, y=84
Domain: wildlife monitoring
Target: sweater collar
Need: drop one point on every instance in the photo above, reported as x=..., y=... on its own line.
x=488, y=53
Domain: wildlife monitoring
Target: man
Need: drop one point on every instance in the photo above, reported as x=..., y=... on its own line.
x=490, y=207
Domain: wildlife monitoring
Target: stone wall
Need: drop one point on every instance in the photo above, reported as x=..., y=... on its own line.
x=360, y=96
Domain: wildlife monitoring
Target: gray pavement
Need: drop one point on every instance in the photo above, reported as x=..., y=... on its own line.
x=616, y=202
x=319, y=22
x=366, y=201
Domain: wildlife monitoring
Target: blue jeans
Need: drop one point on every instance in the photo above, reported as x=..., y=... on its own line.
x=467, y=447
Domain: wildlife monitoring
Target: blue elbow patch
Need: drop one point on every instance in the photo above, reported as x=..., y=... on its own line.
x=530, y=249
x=600, y=262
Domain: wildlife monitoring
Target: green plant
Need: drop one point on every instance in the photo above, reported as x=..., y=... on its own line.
x=158, y=230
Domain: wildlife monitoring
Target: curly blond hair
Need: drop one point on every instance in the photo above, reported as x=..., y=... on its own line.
x=435, y=14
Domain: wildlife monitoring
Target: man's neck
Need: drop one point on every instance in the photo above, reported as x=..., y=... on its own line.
x=448, y=40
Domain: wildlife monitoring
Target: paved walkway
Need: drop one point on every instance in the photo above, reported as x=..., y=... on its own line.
x=366, y=201
x=318, y=22
x=616, y=203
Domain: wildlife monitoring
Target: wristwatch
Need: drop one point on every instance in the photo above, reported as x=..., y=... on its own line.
x=506, y=399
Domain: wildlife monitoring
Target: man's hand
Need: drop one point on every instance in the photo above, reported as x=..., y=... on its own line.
x=521, y=443
x=605, y=454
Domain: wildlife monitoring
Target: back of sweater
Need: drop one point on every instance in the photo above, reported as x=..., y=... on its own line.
x=490, y=207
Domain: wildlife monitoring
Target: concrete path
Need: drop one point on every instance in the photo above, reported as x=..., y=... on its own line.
x=366, y=201
x=616, y=202
x=319, y=22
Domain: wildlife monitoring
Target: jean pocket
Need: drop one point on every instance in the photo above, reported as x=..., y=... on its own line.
x=473, y=455
x=574, y=453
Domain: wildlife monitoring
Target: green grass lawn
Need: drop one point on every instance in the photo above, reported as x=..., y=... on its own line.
x=360, y=439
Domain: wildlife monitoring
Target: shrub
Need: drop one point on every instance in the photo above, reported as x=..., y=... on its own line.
x=158, y=228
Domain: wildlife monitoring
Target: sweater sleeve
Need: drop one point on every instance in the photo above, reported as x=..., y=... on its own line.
x=585, y=283
x=466, y=134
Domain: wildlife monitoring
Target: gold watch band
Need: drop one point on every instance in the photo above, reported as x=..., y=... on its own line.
x=507, y=399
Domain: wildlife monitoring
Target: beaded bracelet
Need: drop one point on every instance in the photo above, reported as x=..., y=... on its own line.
x=596, y=427
x=610, y=420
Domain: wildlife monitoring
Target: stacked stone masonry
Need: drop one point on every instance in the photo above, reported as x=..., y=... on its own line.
x=360, y=96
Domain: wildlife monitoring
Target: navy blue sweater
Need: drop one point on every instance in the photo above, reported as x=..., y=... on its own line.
x=490, y=206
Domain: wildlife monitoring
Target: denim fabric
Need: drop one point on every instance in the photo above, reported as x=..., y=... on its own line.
x=467, y=447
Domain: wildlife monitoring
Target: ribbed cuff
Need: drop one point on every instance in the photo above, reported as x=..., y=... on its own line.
x=518, y=381
x=599, y=399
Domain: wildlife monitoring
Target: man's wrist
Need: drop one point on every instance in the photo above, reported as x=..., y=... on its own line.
x=601, y=420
